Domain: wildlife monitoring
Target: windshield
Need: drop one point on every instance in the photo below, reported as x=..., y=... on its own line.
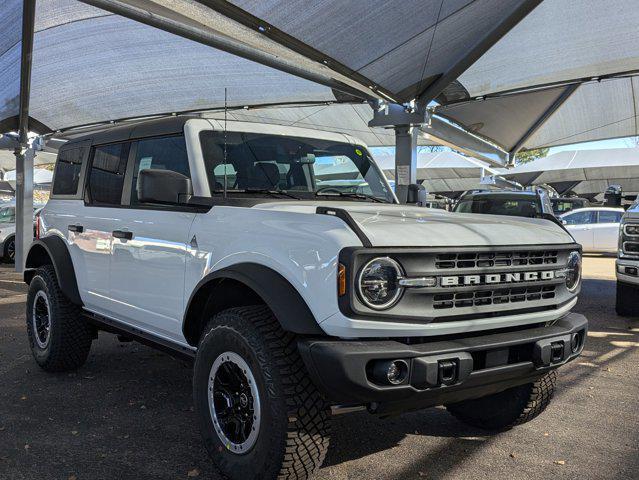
x=303, y=167
x=518, y=207
x=8, y=215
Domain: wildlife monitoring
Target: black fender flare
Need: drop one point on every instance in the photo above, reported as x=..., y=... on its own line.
x=278, y=294
x=58, y=255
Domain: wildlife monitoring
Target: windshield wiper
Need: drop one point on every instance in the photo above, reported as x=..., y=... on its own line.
x=271, y=192
x=362, y=196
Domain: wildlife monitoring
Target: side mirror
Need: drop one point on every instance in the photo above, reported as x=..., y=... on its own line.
x=163, y=186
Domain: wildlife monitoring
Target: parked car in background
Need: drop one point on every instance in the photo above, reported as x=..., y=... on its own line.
x=8, y=231
x=561, y=205
x=516, y=203
x=595, y=228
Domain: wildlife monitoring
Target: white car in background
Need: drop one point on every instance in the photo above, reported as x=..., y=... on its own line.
x=8, y=231
x=595, y=228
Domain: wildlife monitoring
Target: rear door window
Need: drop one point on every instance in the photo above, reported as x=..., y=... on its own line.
x=609, y=217
x=106, y=177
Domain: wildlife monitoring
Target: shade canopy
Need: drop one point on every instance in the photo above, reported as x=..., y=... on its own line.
x=585, y=172
x=518, y=72
x=446, y=173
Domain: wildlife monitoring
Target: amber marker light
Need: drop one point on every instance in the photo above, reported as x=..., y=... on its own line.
x=341, y=280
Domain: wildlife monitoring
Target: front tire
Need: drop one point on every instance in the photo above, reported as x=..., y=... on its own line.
x=504, y=410
x=627, y=305
x=259, y=413
x=59, y=338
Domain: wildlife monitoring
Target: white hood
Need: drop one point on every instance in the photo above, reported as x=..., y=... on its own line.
x=404, y=226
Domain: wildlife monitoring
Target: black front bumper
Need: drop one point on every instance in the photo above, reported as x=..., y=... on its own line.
x=442, y=371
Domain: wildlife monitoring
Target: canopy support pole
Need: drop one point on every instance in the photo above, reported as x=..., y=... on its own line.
x=24, y=153
x=405, y=160
x=570, y=89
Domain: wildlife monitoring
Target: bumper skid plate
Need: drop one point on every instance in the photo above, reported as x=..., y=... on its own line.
x=440, y=371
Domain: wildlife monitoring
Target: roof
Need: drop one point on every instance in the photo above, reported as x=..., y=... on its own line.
x=502, y=193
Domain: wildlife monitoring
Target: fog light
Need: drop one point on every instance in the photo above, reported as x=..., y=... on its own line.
x=390, y=372
x=575, y=342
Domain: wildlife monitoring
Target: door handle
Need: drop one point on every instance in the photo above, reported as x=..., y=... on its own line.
x=76, y=228
x=122, y=234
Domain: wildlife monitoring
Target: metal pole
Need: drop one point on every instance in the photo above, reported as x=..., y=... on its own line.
x=405, y=160
x=24, y=153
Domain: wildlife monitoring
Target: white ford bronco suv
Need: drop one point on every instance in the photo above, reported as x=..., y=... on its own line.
x=628, y=263
x=279, y=259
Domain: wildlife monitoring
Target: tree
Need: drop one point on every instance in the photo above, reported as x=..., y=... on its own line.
x=525, y=156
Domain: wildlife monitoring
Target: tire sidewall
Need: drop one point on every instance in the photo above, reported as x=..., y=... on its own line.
x=39, y=283
x=264, y=458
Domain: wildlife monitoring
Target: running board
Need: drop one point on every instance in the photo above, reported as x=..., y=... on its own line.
x=113, y=326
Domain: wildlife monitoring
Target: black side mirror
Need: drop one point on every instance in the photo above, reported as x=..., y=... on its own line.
x=163, y=186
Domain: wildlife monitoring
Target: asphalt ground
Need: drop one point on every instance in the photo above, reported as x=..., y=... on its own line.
x=127, y=414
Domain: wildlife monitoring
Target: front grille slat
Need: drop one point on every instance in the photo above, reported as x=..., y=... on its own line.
x=471, y=260
x=496, y=296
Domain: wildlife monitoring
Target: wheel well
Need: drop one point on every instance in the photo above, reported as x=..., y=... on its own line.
x=37, y=257
x=213, y=297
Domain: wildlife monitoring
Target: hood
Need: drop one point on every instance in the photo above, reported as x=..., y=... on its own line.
x=404, y=226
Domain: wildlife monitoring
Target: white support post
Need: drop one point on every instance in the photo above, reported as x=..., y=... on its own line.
x=405, y=160
x=24, y=204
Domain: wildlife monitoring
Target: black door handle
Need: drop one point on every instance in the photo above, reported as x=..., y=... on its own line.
x=76, y=228
x=122, y=234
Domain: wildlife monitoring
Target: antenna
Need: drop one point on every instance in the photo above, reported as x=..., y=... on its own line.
x=225, y=178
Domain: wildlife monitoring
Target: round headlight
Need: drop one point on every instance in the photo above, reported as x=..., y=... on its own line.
x=573, y=271
x=378, y=283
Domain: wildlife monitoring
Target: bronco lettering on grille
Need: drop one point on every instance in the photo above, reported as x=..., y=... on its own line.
x=495, y=278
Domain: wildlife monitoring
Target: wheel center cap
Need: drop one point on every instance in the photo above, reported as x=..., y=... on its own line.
x=243, y=400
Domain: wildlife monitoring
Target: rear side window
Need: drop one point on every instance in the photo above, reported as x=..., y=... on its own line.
x=67, y=171
x=609, y=217
x=161, y=153
x=106, y=177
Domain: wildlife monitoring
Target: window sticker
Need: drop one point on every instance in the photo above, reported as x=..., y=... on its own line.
x=145, y=163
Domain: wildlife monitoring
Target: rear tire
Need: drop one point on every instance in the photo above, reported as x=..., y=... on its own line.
x=504, y=410
x=627, y=304
x=289, y=415
x=59, y=338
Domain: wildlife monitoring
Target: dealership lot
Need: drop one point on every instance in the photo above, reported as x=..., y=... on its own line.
x=128, y=414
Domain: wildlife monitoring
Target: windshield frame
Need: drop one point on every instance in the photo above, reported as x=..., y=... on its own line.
x=349, y=193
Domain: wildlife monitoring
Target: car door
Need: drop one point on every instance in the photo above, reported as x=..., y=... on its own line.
x=149, y=246
x=606, y=231
x=579, y=224
x=90, y=231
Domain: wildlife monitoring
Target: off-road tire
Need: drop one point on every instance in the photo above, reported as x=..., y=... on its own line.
x=6, y=255
x=627, y=304
x=70, y=335
x=294, y=429
x=504, y=410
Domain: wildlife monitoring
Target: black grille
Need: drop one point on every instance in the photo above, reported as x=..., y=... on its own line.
x=495, y=259
x=496, y=296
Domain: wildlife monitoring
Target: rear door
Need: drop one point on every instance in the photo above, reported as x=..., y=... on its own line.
x=90, y=232
x=149, y=249
x=606, y=231
x=580, y=224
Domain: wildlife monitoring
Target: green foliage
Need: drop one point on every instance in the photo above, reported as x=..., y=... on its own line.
x=526, y=156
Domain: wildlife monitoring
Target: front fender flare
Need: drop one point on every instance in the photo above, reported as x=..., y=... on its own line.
x=278, y=294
